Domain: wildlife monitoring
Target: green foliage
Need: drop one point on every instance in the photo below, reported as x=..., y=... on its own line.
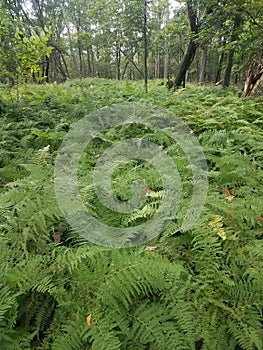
x=21, y=50
x=199, y=290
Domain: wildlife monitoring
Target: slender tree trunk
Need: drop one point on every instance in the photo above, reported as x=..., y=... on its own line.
x=47, y=68
x=130, y=59
x=89, y=68
x=64, y=69
x=229, y=65
x=81, y=65
x=124, y=69
x=118, y=61
x=58, y=70
x=107, y=71
x=203, y=64
x=157, y=66
x=166, y=66
x=219, y=67
x=73, y=56
x=80, y=53
x=166, y=55
x=145, y=40
x=231, y=52
x=93, y=63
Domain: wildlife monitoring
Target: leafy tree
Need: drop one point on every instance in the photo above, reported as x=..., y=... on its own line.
x=213, y=41
x=22, y=49
x=191, y=48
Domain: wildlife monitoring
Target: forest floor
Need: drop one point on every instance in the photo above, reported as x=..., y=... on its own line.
x=199, y=288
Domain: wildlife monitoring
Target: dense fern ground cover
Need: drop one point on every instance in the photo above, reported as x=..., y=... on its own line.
x=197, y=290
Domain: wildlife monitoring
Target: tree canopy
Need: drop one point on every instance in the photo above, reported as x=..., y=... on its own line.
x=206, y=41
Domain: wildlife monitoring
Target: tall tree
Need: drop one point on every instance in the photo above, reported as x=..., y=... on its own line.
x=22, y=46
x=145, y=42
x=203, y=64
x=192, y=45
x=230, y=57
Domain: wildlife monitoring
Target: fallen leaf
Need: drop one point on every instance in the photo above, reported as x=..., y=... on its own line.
x=229, y=198
x=150, y=248
x=57, y=237
x=147, y=190
x=88, y=319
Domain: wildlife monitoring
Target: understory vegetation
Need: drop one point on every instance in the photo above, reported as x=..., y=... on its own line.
x=198, y=290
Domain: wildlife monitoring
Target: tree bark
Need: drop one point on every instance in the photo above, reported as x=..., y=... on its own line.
x=203, y=64
x=254, y=79
x=118, y=61
x=231, y=52
x=58, y=70
x=77, y=19
x=185, y=64
x=81, y=63
x=229, y=65
x=166, y=55
x=124, y=69
x=89, y=68
x=191, y=49
x=166, y=66
x=47, y=69
x=219, y=67
x=73, y=56
x=145, y=41
x=130, y=59
x=157, y=65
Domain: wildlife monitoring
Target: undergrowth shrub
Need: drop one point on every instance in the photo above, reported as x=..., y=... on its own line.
x=197, y=290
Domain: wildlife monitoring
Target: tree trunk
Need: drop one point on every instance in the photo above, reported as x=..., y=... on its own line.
x=145, y=41
x=254, y=79
x=89, y=68
x=58, y=70
x=124, y=69
x=166, y=67
x=73, y=56
x=118, y=61
x=47, y=69
x=219, y=67
x=191, y=49
x=229, y=65
x=93, y=63
x=157, y=66
x=185, y=64
x=166, y=55
x=203, y=64
x=130, y=59
x=81, y=65
x=231, y=52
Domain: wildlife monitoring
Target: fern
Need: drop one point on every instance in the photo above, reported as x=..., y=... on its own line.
x=200, y=289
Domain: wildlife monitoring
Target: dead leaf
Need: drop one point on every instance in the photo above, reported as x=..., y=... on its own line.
x=229, y=198
x=57, y=237
x=150, y=248
x=147, y=190
x=88, y=319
